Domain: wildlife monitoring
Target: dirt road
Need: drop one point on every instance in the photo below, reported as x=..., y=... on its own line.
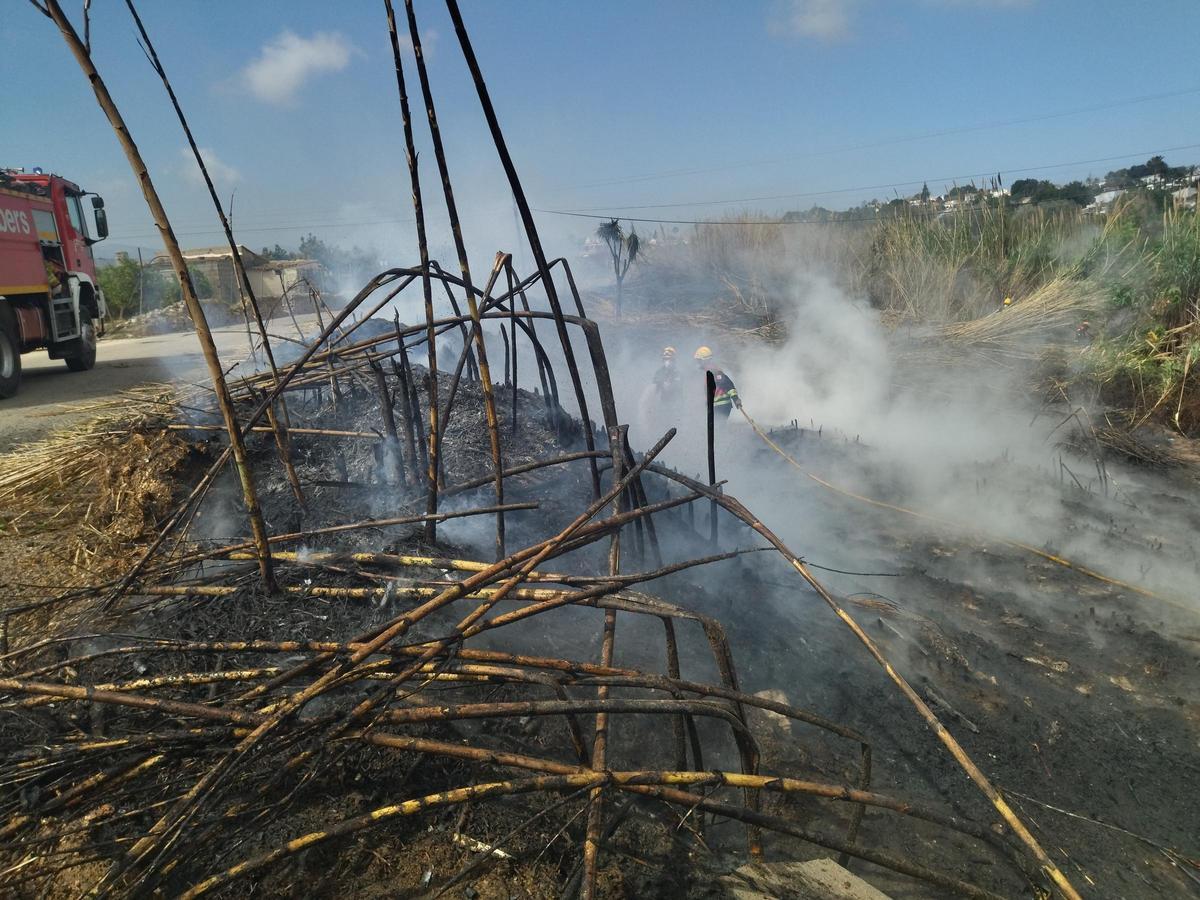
x=51, y=396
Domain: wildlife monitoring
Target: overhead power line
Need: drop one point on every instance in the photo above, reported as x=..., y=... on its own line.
x=841, y=219
x=587, y=213
x=593, y=212
x=947, y=132
x=237, y=231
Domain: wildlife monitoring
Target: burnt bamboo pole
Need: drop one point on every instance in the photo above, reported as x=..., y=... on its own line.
x=391, y=459
x=412, y=474
x=352, y=526
x=169, y=823
x=543, y=551
x=475, y=331
x=239, y=265
x=637, y=498
x=574, y=781
x=639, y=490
x=591, y=674
x=400, y=625
x=538, y=552
x=591, y=841
x=948, y=741
x=595, y=346
x=410, y=150
x=393, y=560
x=590, y=329
x=413, y=420
x=513, y=343
x=195, y=310
x=264, y=429
x=573, y=668
x=455, y=489
x=206, y=480
x=710, y=390
x=535, y=243
x=673, y=671
x=545, y=370
x=439, y=153
x=472, y=365
x=507, y=356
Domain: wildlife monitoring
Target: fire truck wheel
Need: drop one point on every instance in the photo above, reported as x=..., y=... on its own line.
x=82, y=353
x=10, y=352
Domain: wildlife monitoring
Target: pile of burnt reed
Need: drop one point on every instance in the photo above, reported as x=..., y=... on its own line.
x=300, y=675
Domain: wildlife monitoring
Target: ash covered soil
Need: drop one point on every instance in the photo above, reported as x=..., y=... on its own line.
x=1076, y=696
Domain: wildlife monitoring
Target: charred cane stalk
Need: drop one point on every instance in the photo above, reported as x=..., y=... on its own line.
x=195, y=310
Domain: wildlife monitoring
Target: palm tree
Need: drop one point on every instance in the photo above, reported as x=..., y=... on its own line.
x=624, y=249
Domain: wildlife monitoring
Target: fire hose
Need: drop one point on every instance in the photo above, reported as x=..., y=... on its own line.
x=960, y=526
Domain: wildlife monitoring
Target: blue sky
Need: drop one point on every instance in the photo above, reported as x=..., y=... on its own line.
x=662, y=106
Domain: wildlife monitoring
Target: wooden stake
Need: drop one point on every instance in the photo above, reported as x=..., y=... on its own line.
x=535, y=243
x=485, y=378
x=423, y=246
x=188, y=290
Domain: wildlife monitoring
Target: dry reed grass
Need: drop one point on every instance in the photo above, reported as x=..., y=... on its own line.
x=1023, y=330
x=79, y=504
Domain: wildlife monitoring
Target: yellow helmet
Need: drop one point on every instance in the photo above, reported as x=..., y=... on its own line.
x=668, y=353
x=702, y=353
x=1008, y=301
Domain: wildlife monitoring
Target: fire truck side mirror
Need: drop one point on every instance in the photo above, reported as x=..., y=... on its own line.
x=101, y=223
x=97, y=201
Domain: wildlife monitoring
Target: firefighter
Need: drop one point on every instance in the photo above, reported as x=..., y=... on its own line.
x=725, y=395
x=666, y=377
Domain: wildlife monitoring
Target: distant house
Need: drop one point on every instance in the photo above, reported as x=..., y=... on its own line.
x=1103, y=201
x=1185, y=197
x=269, y=278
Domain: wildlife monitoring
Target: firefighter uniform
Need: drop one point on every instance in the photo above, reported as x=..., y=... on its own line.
x=666, y=377
x=725, y=395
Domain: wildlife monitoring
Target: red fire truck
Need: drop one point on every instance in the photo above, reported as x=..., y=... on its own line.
x=49, y=298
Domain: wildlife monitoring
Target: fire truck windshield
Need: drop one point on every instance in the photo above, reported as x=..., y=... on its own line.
x=75, y=213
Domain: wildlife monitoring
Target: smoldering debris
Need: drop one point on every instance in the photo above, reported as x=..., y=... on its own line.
x=415, y=609
x=188, y=697
x=247, y=695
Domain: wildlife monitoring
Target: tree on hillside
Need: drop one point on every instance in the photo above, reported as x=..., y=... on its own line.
x=1131, y=177
x=1045, y=191
x=624, y=250
x=925, y=193
x=1023, y=188
x=1155, y=165
x=1077, y=192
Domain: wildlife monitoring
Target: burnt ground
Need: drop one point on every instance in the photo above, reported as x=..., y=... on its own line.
x=1067, y=691
x=1074, y=693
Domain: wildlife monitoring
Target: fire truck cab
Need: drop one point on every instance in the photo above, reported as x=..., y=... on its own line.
x=49, y=297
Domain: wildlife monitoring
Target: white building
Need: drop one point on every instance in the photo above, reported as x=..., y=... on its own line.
x=1103, y=201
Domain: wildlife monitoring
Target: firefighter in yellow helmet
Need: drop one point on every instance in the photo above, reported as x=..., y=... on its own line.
x=666, y=377
x=725, y=395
